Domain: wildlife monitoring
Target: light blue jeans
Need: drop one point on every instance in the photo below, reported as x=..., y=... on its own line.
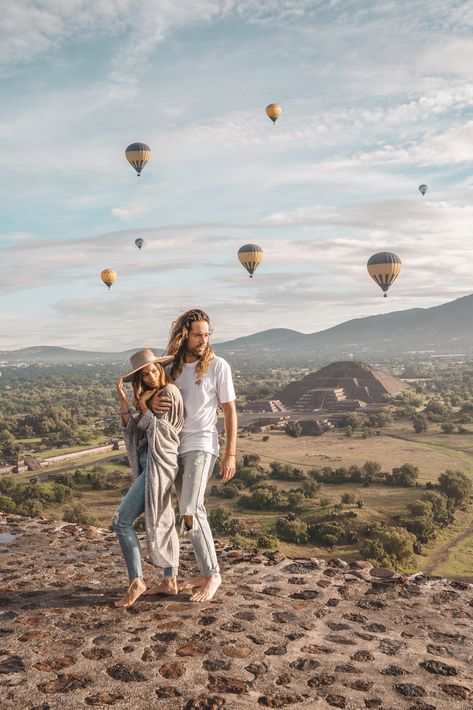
x=133, y=505
x=195, y=469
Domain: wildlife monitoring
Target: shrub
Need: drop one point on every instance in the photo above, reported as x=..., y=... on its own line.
x=7, y=504
x=348, y=499
x=269, y=541
x=292, y=530
x=79, y=514
x=30, y=508
x=447, y=427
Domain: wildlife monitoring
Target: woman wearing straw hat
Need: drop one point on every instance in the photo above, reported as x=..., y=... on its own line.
x=152, y=442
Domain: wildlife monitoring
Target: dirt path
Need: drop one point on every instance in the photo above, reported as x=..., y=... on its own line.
x=442, y=555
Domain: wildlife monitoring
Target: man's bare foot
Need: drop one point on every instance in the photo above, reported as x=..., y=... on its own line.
x=208, y=589
x=135, y=590
x=167, y=586
x=196, y=582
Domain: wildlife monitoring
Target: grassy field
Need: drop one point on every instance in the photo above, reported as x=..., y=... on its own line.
x=433, y=452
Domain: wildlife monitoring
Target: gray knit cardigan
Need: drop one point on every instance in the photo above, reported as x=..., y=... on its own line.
x=162, y=431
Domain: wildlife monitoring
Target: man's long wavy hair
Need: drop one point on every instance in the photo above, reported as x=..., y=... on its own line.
x=139, y=386
x=177, y=345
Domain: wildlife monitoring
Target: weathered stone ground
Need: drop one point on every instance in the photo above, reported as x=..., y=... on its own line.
x=280, y=632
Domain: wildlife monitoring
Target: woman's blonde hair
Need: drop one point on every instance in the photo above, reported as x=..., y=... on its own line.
x=139, y=386
x=180, y=330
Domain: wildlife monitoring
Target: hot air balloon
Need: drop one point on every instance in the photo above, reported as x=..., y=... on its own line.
x=108, y=276
x=139, y=242
x=250, y=256
x=273, y=111
x=423, y=189
x=138, y=155
x=384, y=267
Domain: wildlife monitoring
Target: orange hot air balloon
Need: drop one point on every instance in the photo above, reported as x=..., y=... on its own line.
x=108, y=276
x=273, y=111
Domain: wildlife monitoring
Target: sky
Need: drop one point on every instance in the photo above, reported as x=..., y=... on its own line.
x=376, y=99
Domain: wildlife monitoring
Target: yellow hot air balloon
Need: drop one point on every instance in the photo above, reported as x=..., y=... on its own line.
x=108, y=276
x=250, y=256
x=273, y=111
x=384, y=267
x=138, y=154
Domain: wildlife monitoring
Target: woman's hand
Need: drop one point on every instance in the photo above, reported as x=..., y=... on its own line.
x=143, y=401
x=120, y=385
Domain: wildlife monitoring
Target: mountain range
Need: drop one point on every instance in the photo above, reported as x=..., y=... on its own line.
x=443, y=329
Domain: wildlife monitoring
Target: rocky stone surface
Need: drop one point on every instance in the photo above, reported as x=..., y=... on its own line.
x=280, y=633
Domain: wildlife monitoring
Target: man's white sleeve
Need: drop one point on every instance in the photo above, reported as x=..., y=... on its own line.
x=225, y=389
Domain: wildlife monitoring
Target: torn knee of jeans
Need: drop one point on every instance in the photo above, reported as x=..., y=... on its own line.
x=188, y=523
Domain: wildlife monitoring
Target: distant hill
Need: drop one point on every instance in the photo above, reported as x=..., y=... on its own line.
x=444, y=329
x=54, y=355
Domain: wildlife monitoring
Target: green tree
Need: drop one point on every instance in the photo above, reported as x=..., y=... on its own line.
x=389, y=547
x=440, y=508
x=293, y=429
x=455, y=485
x=420, y=423
x=295, y=502
x=311, y=488
x=9, y=448
x=405, y=475
x=371, y=470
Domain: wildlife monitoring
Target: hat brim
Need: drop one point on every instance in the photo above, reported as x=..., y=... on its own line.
x=165, y=360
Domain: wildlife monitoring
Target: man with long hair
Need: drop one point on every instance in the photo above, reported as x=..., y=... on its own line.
x=205, y=382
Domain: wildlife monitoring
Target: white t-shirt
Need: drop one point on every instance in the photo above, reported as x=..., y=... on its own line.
x=202, y=394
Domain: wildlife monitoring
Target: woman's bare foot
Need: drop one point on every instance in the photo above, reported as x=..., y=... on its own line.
x=208, y=589
x=167, y=586
x=196, y=582
x=135, y=590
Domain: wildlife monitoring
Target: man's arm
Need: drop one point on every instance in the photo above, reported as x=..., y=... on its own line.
x=228, y=465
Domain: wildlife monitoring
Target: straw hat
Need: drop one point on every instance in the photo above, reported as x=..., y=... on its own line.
x=145, y=357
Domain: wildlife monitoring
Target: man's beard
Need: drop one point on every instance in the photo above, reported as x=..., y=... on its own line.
x=197, y=352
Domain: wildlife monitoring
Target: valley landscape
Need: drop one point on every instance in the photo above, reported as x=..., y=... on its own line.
x=316, y=465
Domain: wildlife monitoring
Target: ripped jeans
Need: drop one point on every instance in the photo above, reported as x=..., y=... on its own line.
x=133, y=505
x=195, y=469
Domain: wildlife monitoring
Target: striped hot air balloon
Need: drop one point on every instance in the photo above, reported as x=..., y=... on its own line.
x=423, y=189
x=384, y=267
x=138, y=154
x=108, y=276
x=250, y=256
x=273, y=111
x=139, y=242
